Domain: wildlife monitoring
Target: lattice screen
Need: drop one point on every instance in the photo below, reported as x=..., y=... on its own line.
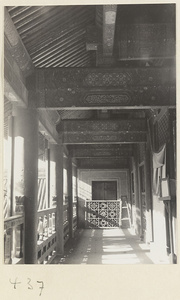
x=161, y=131
x=103, y=214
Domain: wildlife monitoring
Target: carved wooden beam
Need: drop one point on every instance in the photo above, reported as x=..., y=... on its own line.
x=16, y=46
x=109, y=22
x=104, y=131
x=89, y=88
x=93, y=163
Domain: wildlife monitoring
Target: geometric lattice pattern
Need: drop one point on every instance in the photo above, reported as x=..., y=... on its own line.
x=163, y=125
x=102, y=214
x=5, y=206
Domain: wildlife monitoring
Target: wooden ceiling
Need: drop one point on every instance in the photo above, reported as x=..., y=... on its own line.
x=75, y=37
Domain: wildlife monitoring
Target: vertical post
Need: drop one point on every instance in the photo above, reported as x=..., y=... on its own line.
x=11, y=166
x=70, y=197
x=136, y=191
x=26, y=173
x=47, y=155
x=148, y=194
x=56, y=160
x=171, y=171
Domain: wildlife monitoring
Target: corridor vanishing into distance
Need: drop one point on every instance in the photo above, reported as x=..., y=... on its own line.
x=107, y=246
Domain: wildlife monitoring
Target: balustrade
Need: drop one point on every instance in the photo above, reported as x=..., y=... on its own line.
x=14, y=240
x=46, y=235
x=14, y=234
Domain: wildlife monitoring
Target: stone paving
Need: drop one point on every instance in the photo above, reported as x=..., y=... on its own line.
x=106, y=246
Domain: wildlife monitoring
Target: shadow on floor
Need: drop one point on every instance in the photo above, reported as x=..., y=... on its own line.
x=105, y=246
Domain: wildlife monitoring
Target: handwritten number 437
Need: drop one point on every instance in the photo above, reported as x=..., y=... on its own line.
x=29, y=285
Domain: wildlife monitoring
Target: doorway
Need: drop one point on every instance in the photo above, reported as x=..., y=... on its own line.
x=104, y=190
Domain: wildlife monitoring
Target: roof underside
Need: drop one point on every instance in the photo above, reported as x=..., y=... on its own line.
x=56, y=36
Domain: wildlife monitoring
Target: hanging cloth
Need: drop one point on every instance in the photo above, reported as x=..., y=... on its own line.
x=159, y=168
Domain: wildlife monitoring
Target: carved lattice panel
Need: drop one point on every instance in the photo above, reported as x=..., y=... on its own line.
x=102, y=214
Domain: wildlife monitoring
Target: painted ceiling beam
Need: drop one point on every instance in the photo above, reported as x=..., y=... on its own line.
x=103, y=163
x=84, y=151
x=102, y=131
x=97, y=88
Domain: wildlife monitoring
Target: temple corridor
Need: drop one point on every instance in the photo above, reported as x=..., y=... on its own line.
x=89, y=148
x=107, y=246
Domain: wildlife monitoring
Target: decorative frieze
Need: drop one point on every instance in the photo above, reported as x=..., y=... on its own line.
x=103, y=163
x=107, y=100
x=92, y=137
x=103, y=125
x=103, y=87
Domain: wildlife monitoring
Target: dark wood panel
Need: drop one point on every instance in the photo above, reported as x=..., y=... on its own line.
x=104, y=87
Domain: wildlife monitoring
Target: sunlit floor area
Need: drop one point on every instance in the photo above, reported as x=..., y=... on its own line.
x=106, y=246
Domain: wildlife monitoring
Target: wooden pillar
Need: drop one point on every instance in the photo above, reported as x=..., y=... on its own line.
x=171, y=172
x=148, y=195
x=56, y=188
x=26, y=174
x=136, y=191
x=70, y=197
x=10, y=172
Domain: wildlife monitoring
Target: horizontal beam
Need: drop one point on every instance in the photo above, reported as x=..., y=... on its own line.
x=86, y=152
x=110, y=137
x=102, y=125
x=92, y=163
x=102, y=131
x=90, y=88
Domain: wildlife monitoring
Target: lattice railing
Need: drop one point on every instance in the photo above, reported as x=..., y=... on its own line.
x=46, y=232
x=41, y=193
x=100, y=214
x=5, y=204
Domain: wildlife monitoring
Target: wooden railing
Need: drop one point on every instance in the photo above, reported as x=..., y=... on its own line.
x=14, y=240
x=5, y=204
x=41, y=193
x=46, y=234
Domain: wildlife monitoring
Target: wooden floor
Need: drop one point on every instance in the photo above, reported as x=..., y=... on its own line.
x=106, y=246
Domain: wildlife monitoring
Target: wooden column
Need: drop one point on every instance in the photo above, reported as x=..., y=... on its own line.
x=56, y=156
x=171, y=173
x=70, y=197
x=10, y=173
x=148, y=183
x=26, y=174
x=136, y=191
